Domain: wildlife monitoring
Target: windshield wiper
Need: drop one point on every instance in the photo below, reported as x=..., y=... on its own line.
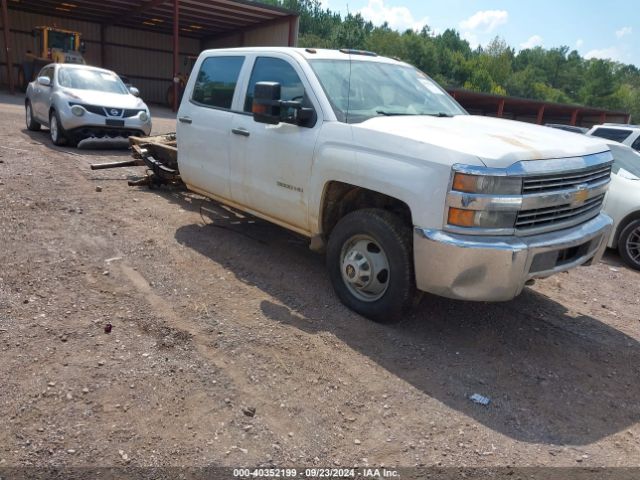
x=393, y=114
x=439, y=115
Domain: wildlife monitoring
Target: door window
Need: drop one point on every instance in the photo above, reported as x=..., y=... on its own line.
x=636, y=144
x=47, y=72
x=216, y=81
x=269, y=69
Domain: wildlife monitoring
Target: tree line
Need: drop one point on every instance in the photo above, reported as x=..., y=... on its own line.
x=554, y=74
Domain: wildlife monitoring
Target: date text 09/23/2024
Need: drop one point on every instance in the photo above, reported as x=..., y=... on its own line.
x=294, y=473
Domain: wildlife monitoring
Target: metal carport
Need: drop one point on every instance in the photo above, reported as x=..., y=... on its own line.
x=137, y=38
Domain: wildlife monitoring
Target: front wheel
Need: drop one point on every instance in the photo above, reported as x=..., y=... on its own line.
x=29, y=120
x=629, y=244
x=56, y=132
x=370, y=263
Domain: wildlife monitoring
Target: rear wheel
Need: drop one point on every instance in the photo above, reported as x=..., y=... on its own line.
x=29, y=120
x=56, y=132
x=370, y=262
x=629, y=244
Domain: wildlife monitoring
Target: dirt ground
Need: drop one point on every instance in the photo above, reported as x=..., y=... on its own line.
x=228, y=346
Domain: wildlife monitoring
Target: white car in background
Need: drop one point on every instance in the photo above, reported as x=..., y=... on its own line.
x=618, y=132
x=78, y=102
x=622, y=203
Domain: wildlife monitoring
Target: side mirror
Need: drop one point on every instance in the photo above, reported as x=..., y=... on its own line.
x=44, y=81
x=83, y=48
x=134, y=91
x=266, y=103
x=268, y=107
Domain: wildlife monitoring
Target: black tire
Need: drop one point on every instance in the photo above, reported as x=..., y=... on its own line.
x=629, y=244
x=28, y=116
x=394, y=238
x=56, y=131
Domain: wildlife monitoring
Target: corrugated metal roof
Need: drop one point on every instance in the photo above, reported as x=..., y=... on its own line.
x=198, y=18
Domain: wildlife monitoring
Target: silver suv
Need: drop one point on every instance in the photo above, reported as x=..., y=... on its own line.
x=78, y=102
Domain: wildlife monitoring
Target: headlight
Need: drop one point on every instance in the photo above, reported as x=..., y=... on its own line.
x=77, y=110
x=502, y=185
x=144, y=116
x=461, y=217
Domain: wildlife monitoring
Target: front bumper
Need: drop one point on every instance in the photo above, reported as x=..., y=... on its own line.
x=94, y=125
x=473, y=267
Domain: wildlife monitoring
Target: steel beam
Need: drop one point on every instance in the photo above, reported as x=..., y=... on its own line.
x=574, y=117
x=176, y=51
x=103, y=49
x=7, y=45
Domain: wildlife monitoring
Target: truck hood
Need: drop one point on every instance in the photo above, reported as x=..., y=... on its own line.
x=496, y=142
x=103, y=99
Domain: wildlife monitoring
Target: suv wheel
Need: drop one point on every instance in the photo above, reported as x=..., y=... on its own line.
x=56, y=132
x=629, y=244
x=370, y=263
x=29, y=120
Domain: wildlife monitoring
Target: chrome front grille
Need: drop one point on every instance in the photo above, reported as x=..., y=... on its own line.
x=585, y=186
x=546, y=183
x=110, y=111
x=543, y=217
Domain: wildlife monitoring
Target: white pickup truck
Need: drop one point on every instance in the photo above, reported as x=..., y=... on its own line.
x=378, y=166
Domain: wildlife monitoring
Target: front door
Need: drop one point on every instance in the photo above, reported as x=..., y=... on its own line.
x=40, y=99
x=271, y=164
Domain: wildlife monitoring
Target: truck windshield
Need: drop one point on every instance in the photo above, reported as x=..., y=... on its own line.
x=626, y=161
x=84, y=79
x=64, y=41
x=359, y=90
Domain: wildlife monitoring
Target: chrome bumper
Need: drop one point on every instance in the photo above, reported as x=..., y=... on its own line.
x=473, y=267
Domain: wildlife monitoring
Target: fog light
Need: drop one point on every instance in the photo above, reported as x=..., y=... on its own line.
x=77, y=110
x=144, y=116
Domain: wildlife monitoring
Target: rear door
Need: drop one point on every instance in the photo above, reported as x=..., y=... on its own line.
x=271, y=164
x=204, y=124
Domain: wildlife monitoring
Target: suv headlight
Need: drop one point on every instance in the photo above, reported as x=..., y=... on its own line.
x=77, y=110
x=144, y=116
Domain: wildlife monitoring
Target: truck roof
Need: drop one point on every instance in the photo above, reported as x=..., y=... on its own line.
x=311, y=53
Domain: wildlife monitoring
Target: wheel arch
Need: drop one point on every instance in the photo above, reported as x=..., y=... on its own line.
x=635, y=215
x=341, y=198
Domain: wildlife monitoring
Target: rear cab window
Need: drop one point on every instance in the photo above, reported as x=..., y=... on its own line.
x=216, y=81
x=615, y=134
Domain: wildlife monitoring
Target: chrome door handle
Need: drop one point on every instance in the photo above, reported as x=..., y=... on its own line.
x=185, y=119
x=241, y=131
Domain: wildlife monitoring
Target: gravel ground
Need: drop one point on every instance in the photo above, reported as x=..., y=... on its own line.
x=228, y=346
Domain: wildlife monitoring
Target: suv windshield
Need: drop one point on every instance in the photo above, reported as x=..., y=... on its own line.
x=85, y=79
x=625, y=158
x=359, y=90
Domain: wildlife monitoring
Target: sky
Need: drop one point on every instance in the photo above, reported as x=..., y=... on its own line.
x=596, y=29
